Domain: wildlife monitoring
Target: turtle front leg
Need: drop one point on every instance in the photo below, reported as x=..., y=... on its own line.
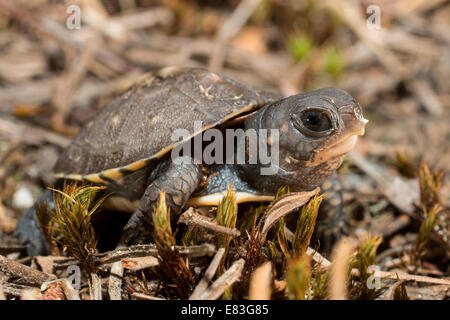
x=178, y=181
x=332, y=222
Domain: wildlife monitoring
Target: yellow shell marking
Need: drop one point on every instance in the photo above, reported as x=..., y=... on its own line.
x=115, y=173
x=135, y=165
x=95, y=177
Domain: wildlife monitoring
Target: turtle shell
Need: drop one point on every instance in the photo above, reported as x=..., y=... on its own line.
x=136, y=127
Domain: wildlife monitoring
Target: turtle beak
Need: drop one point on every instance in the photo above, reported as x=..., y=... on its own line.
x=361, y=127
x=356, y=126
x=354, y=121
x=340, y=148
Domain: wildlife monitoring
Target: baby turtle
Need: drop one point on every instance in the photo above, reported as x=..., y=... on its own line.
x=133, y=145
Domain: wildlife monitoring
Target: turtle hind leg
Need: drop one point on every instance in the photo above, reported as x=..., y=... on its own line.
x=179, y=180
x=332, y=221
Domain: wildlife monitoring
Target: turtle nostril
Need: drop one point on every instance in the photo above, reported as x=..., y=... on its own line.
x=358, y=113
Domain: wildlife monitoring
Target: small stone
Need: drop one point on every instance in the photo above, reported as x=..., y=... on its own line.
x=197, y=270
x=22, y=199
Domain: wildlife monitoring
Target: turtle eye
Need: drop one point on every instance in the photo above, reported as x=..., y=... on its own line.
x=315, y=122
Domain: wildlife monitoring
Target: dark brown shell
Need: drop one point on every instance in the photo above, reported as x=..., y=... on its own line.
x=137, y=125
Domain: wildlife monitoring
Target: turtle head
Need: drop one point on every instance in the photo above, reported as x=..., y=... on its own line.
x=315, y=131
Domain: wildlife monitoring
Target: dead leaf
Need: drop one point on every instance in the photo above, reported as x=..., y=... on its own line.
x=280, y=208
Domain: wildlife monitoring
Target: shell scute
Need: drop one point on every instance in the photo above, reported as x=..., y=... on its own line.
x=136, y=127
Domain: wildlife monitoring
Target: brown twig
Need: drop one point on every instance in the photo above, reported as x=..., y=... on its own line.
x=316, y=256
x=141, y=296
x=115, y=281
x=95, y=287
x=209, y=274
x=140, y=263
x=191, y=217
x=224, y=281
x=146, y=18
x=6, y=249
x=69, y=291
x=22, y=274
x=144, y=250
x=13, y=289
x=406, y=276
